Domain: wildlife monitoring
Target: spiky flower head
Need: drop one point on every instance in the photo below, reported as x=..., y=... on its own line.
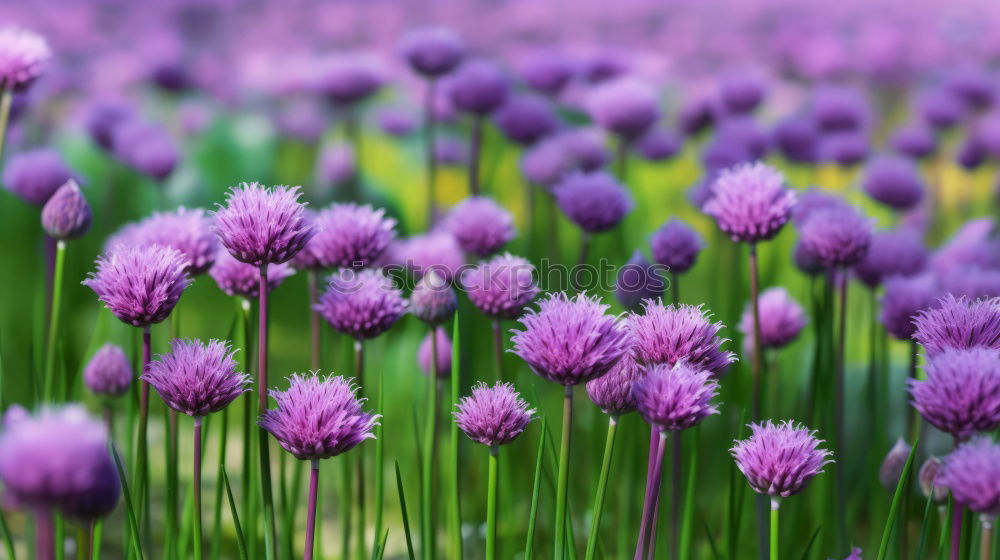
x=595, y=202
x=626, y=106
x=676, y=246
x=424, y=353
x=58, y=458
x=432, y=51
x=892, y=465
x=188, y=230
x=668, y=334
x=480, y=225
x=836, y=236
x=780, y=459
x=108, y=372
x=675, y=398
x=433, y=300
x=237, y=278
x=23, y=55
x=437, y=251
x=35, y=175
x=318, y=417
x=928, y=479
x=66, y=215
x=493, y=415
x=637, y=281
x=894, y=182
x=502, y=286
x=961, y=394
x=903, y=299
x=263, y=225
x=750, y=202
x=196, y=378
x=972, y=473
x=478, y=87
x=959, y=323
x=570, y=340
x=348, y=235
x=612, y=392
x=140, y=286
x=362, y=304
x=898, y=252
x=781, y=318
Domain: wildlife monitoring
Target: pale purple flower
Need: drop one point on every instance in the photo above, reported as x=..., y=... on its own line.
x=660, y=145
x=444, y=349
x=637, y=281
x=362, y=304
x=502, y=286
x=892, y=465
x=103, y=117
x=961, y=393
x=972, y=282
x=670, y=334
x=626, y=106
x=959, y=323
x=940, y=108
x=493, y=415
x=612, y=392
x=108, y=372
x=261, y=225
x=892, y=253
x=480, y=225
x=437, y=251
x=547, y=71
x=595, y=202
x=780, y=459
x=336, y=164
x=676, y=246
x=349, y=235
x=397, y=122
x=318, y=417
x=188, y=230
x=526, y=119
x=195, y=378
x=904, y=298
x=972, y=245
x=781, y=319
x=915, y=140
x=928, y=478
x=35, y=175
x=478, y=87
x=23, y=55
x=814, y=199
x=140, y=286
x=237, y=278
x=547, y=162
x=836, y=236
x=145, y=147
x=348, y=79
x=675, y=398
x=432, y=51
x=750, y=202
x=433, y=300
x=66, y=215
x=894, y=182
x=972, y=473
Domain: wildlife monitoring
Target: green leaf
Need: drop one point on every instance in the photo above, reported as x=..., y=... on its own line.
x=711, y=541
x=133, y=525
x=379, y=475
x=455, y=521
x=924, y=530
x=402, y=507
x=535, y=491
x=241, y=543
x=8, y=541
x=689, y=499
x=809, y=545
x=897, y=497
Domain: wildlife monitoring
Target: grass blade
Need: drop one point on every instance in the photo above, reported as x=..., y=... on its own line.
x=924, y=529
x=688, y=509
x=535, y=491
x=711, y=540
x=240, y=541
x=809, y=545
x=897, y=497
x=402, y=507
x=133, y=525
x=8, y=541
x=379, y=475
x=455, y=521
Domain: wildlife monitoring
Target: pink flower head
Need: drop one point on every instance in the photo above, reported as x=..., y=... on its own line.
x=493, y=415
x=959, y=323
x=140, y=286
x=237, y=278
x=362, y=304
x=66, y=215
x=961, y=394
x=972, y=473
x=675, y=398
x=502, y=286
x=781, y=319
x=750, y=202
x=480, y=225
x=23, y=55
x=261, y=225
x=668, y=334
x=348, y=235
x=612, y=392
x=108, y=372
x=195, y=378
x=779, y=460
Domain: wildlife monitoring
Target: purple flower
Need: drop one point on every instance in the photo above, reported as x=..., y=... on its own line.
x=186, y=230
x=971, y=282
x=781, y=319
x=637, y=281
x=974, y=86
x=670, y=334
x=605, y=65
x=612, y=392
x=424, y=357
x=797, y=138
x=318, y=417
x=433, y=301
x=696, y=115
x=940, y=108
x=779, y=460
x=894, y=182
x=547, y=162
x=348, y=235
x=237, y=278
x=34, y=176
x=570, y=340
x=814, y=199
x=58, y=458
x=741, y=93
x=750, y=202
x=145, y=147
x=103, y=117
x=915, y=140
x=480, y=225
x=893, y=464
x=547, y=71
x=971, y=246
x=959, y=323
x=845, y=148
x=839, y=109
x=397, y=122
x=502, y=286
x=892, y=253
x=346, y=80
x=493, y=415
x=108, y=372
x=675, y=398
x=972, y=473
x=23, y=55
x=928, y=478
x=335, y=164
x=806, y=261
x=140, y=286
x=66, y=215
x=586, y=145
x=432, y=51
x=745, y=135
x=362, y=304
x=961, y=394
x=971, y=152
x=478, y=87
x=437, y=251
x=624, y=106
x=595, y=202
x=676, y=246
x=261, y=225
x=903, y=300
x=837, y=236
x=195, y=378
x=660, y=145
x=526, y=119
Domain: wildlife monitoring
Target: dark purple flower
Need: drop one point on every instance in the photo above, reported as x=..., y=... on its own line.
x=972, y=473
x=570, y=340
x=894, y=182
x=362, y=304
x=261, y=225
x=625, y=106
x=779, y=460
x=23, y=56
x=903, y=299
x=526, y=119
x=103, y=117
x=741, y=93
x=845, y=148
x=928, y=478
x=676, y=246
x=108, y=372
x=660, y=144
x=612, y=392
x=145, y=147
x=670, y=334
x=961, y=393
x=480, y=225
x=915, y=140
x=348, y=235
x=840, y=109
x=893, y=464
x=195, y=378
x=502, y=286
x=781, y=319
x=437, y=251
x=66, y=215
x=595, y=202
x=837, y=236
x=34, y=176
x=188, y=230
x=432, y=51
x=604, y=65
x=237, y=278
x=349, y=79
x=433, y=300
x=493, y=415
x=750, y=202
x=546, y=163
x=443, y=369
x=696, y=115
x=974, y=86
x=797, y=138
x=743, y=135
x=971, y=152
x=140, y=286
x=807, y=261
x=637, y=281
x=478, y=87
x=959, y=323
x=898, y=252
x=318, y=417
x=547, y=71
x=675, y=398
x=397, y=122
x=813, y=199
x=940, y=108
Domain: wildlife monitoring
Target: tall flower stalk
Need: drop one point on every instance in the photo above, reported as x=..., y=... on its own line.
x=25, y=55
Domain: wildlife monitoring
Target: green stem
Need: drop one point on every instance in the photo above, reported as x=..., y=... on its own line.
x=5, y=100
x=491, y=505
x=197, y=488
x=986, y=542
x=456, y=506
x=50, y=349
x=563, y=479
x=429, y=454
x=775, y=504
x=602, y=486
x=757, y=358
x=359, y=372
x=270, y=532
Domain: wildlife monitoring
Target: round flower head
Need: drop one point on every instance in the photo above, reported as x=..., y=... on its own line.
x=915, y=140
x=103, y=117
x=547, y=162
x=779, y=460
x=928, y=478
x=961, y=394
x=971, y=152
x=66, y=215
x=741, y=93
x=972, y=283
x=432, y=51
x=904, y=298
x=58, y=458
x=806, y=261
x=349, y=235
x=547, y=71
x=318, y=417
x=23, y=55
x=814, y=199
x=450, y=151
x=676, y=246
x=670, y=334
x=526, y=119
x=845, y=148
x=433, y=301
x=480, y=225
x=140, y=286
x=840, y=109
x=892, y=253
x=595, y=202
x=335, y=164
x=437, y=251
x=750, y=202
x=971, y=246
x=637, y=281
x=781, y=319
x=237, y=278
x=973, y=85
x=145, y=147
x=34, y=176
x=675, y=398
x=587, y=146
x=346, y=80
x=424, y=353
x=797, y=138
x=502, y=286
x=493, y=415
x=186, y=230
x=570, y=340
x=837, y=236
x=972, y=473
x=362, y=304
x=478, y=87
x=894, y=182
x=939, y=108
x=959, y=323
x=604, y=65
x=746, y=134
x=893, y=464
x=660, y=145
x=108, y=372
x=696, y=115
x=261, y=225
x=625, y=106
x=397, y=122
x=195, y=378
x=612, y=392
